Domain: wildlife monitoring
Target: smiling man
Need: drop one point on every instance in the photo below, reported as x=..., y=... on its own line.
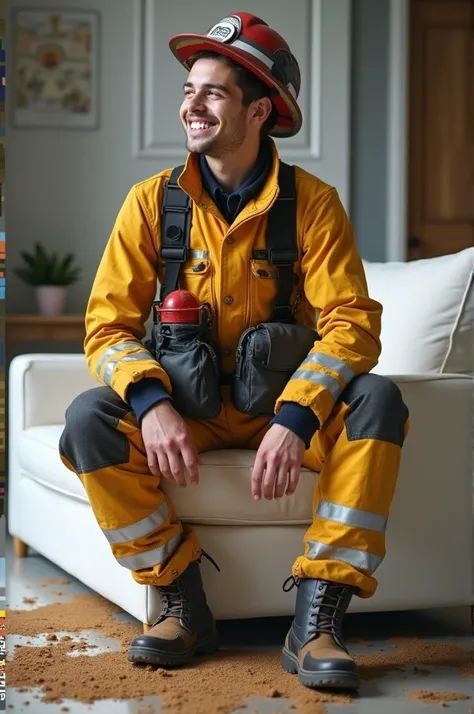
x=260, y=242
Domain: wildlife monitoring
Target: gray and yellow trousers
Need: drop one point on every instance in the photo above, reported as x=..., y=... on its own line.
x=356, y=452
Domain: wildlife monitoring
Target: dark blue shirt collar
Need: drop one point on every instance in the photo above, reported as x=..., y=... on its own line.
x=230, y=204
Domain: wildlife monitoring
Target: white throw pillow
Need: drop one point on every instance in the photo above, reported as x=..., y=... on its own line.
x=428, y=314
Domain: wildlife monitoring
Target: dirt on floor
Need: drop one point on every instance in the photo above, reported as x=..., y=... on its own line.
x=217, y=684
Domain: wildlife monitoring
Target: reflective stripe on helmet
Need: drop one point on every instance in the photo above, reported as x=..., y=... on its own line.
x=245, y=46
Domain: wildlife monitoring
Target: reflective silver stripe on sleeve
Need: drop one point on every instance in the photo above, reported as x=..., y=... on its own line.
x=357, y=558
x=109, y=370
x=151, y=557
x=112, y=351
x=352, y=516
x=337, y=365
x=312, y=375
x=140, y=528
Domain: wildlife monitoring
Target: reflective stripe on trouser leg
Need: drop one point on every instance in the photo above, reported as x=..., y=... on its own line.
x=360, y=448
x=102, y=443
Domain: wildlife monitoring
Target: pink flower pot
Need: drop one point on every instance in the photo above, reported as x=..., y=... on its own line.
x=51, y=299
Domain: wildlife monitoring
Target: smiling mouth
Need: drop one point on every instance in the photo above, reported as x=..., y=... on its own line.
x=200, y=126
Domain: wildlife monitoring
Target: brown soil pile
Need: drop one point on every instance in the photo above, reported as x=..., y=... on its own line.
x=414, y=653
x=440, y=697
x=81, y=612
x=210, y=685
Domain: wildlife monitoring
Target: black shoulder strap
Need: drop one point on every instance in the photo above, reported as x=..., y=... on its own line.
x=175, y=230
x=282, y=244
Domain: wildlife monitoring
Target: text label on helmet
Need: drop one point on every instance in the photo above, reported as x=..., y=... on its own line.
x=227, y=29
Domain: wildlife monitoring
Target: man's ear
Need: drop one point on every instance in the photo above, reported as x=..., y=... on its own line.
x=262, y=109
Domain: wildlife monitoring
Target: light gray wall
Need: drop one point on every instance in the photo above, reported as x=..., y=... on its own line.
x=370, y=34
x=65, y=187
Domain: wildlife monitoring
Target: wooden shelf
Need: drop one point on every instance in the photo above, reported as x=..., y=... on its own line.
x=41, y=327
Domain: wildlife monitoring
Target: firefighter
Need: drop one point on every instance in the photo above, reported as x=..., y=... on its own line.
x=334, y=415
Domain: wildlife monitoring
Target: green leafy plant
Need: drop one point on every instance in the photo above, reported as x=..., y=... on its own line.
x=43, y=268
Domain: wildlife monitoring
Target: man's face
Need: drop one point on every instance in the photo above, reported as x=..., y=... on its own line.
x=213, y=116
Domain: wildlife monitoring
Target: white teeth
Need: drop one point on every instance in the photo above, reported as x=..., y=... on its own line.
x=200, y=125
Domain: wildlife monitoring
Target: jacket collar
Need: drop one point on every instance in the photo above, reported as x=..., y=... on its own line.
x=190, y=181
x=250, y=188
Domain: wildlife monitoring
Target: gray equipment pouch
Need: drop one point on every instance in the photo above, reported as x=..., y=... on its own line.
x=188, y=356
x=267, y=357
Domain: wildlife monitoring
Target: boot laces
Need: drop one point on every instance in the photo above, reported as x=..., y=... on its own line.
x=210, y=559
x=324, y=621
x=174, y=603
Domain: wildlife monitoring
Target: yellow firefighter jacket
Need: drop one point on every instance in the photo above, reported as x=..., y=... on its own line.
x=331, y=293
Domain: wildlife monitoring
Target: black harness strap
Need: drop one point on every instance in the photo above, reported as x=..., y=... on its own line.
x=282, y=244
x=175, y=231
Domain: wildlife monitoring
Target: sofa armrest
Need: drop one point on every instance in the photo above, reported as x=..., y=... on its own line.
x=41, y=387
x=430, y=525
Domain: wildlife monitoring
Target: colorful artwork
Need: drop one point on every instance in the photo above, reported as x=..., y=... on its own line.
x=55, y=74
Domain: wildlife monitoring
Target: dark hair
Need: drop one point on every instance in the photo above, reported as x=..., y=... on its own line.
x=252, y=87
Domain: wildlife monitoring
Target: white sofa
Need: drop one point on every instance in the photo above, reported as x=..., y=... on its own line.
x=427, y=349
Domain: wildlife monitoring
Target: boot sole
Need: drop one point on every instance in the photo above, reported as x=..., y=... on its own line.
x=150, y=655
x=316, y=680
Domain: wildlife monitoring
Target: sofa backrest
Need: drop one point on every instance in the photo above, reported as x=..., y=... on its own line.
x=428, y=314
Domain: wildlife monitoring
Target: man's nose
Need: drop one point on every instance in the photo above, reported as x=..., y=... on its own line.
x=196, y=103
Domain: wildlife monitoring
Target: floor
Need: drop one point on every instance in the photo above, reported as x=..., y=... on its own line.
x=387, y=694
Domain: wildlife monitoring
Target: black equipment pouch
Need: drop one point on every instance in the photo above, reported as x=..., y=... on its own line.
x=190, y=359
x=267, y=357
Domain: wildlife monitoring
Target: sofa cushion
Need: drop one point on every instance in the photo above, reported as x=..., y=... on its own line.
x=428, y=313
x=222, y=498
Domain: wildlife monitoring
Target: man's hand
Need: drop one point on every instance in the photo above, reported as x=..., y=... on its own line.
x=169, y=445
x=277, y=465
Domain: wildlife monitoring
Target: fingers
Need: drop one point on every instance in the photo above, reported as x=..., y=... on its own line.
x=257, y=475
x=294, y=477
x=269, y=479
x=169, y=445
x=176, y=467
x=173, y=458
x=163, y=465
x=275, y=480
x=191, y=460
x=274, y=475
x=281, y=481
x=153, y=462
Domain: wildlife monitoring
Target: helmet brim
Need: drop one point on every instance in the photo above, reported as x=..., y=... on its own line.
x=289, y=120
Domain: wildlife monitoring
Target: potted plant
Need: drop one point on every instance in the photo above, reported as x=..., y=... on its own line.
x=50, y=275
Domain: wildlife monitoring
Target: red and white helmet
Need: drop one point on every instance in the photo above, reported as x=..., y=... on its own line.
x=249, y=41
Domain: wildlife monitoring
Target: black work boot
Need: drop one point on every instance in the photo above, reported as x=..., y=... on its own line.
x=314, y=648
x=185, y=626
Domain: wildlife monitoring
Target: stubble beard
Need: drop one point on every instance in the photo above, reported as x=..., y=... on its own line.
x=217, y=146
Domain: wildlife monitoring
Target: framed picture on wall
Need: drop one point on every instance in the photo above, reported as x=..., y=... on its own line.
x=55, y=69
